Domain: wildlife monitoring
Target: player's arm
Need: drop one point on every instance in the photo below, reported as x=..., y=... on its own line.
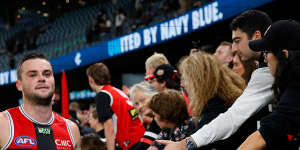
x=109, y=134
x=5, y=131
x=105, y=114
x=75, y=132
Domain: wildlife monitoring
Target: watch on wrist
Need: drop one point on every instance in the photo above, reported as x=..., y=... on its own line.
x=190, y=144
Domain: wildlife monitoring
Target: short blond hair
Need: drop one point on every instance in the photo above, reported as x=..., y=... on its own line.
x=156, y=60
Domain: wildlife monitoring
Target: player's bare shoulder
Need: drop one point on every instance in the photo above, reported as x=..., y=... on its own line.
x=75, y=132
x=5, y=130
x=72, y=125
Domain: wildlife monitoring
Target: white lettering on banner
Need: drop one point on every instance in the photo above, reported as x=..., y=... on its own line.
x=137, y=40
x=215, y=12
x=4, y=78
x=183, y=20
x=197, y=16
x=164, y=31
x=174, y=27
x=205, y=16
x=77, y=59
x=13, y=75
x=150, y=35
x=130, y=42
x=60, y=142
x=172, y=31
x=124, y=44
x=153, y=33
x=147, y=37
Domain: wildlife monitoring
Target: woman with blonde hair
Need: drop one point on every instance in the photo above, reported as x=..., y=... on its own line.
x=204, y=77
x=212, y=88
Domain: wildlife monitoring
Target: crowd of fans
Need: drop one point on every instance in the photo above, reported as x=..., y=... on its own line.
x=244, y=96
x=211, y=96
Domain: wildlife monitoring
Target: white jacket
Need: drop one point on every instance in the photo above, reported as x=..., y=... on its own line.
x=256, y=96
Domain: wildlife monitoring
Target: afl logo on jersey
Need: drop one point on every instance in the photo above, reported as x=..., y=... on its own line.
x=25, y=141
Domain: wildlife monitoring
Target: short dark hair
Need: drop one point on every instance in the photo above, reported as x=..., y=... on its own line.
x=28, y=57
x=100, y=73
x=250, y=21
x=170, y=105
x=92, y=142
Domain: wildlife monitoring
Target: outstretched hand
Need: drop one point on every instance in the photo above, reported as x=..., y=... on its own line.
x=170, y=145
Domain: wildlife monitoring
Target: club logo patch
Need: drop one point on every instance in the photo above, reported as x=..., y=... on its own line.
x=133, y=114
x=160, y=72
x=44, y=130
x=25, y=141
x=63, y=143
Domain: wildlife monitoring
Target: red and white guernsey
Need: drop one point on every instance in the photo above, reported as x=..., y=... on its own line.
x=127, y=125
x=27, y=133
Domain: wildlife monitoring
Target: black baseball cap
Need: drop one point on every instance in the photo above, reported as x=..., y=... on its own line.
x=164, y=71
x=283, y=34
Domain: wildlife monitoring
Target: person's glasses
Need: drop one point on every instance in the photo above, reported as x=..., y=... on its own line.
x=265, y=53
x=149, y=78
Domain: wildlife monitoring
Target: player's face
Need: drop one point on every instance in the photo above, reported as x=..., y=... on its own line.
x=37, y=83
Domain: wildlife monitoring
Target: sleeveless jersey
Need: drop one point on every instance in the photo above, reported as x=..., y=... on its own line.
x=127, y=125
x=27, y=133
